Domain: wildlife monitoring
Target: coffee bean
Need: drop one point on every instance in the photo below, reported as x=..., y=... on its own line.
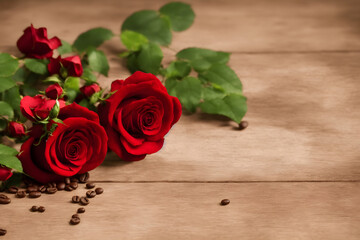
x=74, y=185
x=84, y=201
x=75, y=199
x=90, y=194
x=74, y=179
x=34, y=208
x=74, y=221
x=75, y=216
x=51, y=185
x=68, y=188
x=243, y=125
x=20, y=194
x=31, y=189
x=81, y=210
x=4, y=199
x=60, y=186
x=41, y=209
x=12, y=189
x=2, y=232
x=90, y=185
x=42, y=189
x=83, y=178
x=99, y=190
x=224, y=202
x=67, y=181
x=34, y=194
x=51, y=190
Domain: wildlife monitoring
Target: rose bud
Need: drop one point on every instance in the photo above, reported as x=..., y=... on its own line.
x=76, y=146
x=138, y=116
x=16, y=130
x=70, y=66
x=5, y=173
x=54, y=91
x=89, y=90
x=34, y=43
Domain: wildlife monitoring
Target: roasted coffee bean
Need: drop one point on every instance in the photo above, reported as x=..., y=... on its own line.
x=75, y=199
x=42, y=189
x=81, y=210
x=41, y=209
x=12, y=189
x=243, y=125
x=34, y=208
x=34, y=194
x=68, y=188
x=90, y=194
x=20, y=194
x=75, y=216
x=90, y=185
x=67, y=181
x=51, y=190
x=224, y=202
x=4, y=199
x=99, y=190
x=2, y=232
x=31, y=189
x=74, y=221
x=83, y=178
x=84, y=201
x=60, y=186
x=74, y=179
x=74, y=185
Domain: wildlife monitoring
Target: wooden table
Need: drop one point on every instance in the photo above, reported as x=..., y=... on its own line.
x=294, y=173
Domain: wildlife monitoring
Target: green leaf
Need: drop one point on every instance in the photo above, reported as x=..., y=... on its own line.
x=151, y=24
x=224, y=76
x=133, y=40
x=29, y=90
x=72, y=83
x=6, y=83
x=15, y=180
x=53, y=79
x=188, y=90
x=20, y=75
x=181, y=15
x=11, y=162
x=38, y=66
x=95, y=97
x=92, y=39
x=233, y=106
x=6, y=150
x=148, y=59
x=212, y=92
x=6, y=110
x=88, y=75
x=3, y=124
x=202, y=59
x=8, y=65
x=178, y=69
x=98, y=62
x=13, y=98
x=71, y=94
x=64, y=48
x=131, y=63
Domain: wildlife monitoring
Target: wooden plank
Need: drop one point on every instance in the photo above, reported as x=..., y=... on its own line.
x=235, y=26
x=191, y=211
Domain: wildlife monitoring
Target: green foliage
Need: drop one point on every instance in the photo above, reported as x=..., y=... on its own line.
x=8, y=158
x=133, y=40
x=88, y=75
x=64, y=48
x=180, y=14
x=13, y=98
x=92, y=39
x=71, y=87
x=20, y=75
x=6, y=83
x=8, y=65
x=177, y=69
x=98, y=62
x=6, y=110
x=38, y=66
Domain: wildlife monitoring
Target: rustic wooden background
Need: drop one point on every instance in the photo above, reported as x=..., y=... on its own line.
x=294, y=173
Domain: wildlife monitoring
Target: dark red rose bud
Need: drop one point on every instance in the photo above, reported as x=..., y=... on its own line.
x=16, y=129
x=34, y=43
x=70, y=66
x=90, y=89
x=5, y=173
x=54, y=91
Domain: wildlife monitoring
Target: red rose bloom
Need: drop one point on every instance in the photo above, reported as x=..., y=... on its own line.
x=138, y=115
x=71, y=64
x=54, y=91
x=76, y=146
x=34, y=43
x=90, y=89
x=16, y=129
x=5, y=173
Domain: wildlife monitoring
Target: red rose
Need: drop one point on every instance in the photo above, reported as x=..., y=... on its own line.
x=34, y=43
x=16, y=129
x=38, y=107
x=138, y=115
x=90, y=90
x=5, y=173
x=76, y=146
x=72, y=65
x=54, y=91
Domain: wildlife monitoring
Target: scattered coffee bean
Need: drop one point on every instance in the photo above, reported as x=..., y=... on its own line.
x=243, y=125
x=60, y=186
x=67, y=181
x=42, y=189
x=51, y=190
x=4, y=199
x=90, y=194
x=83, y=178
x=224, y=202
x=31, y=189
x=84, y=201
x=12, y=189
x=41, y=209
x=34, y=208
x=99, y=190
x=20, y=194
x=74, y=185
x=81, y=210
x=75, y=199
x=34, y=194
x=75, y=216
x=2, y=232
x=74, y=179
x=90, y=185
x=74, y=221
x=68, y=188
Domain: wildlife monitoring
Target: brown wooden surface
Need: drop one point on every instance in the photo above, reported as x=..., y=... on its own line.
x=293, y=174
